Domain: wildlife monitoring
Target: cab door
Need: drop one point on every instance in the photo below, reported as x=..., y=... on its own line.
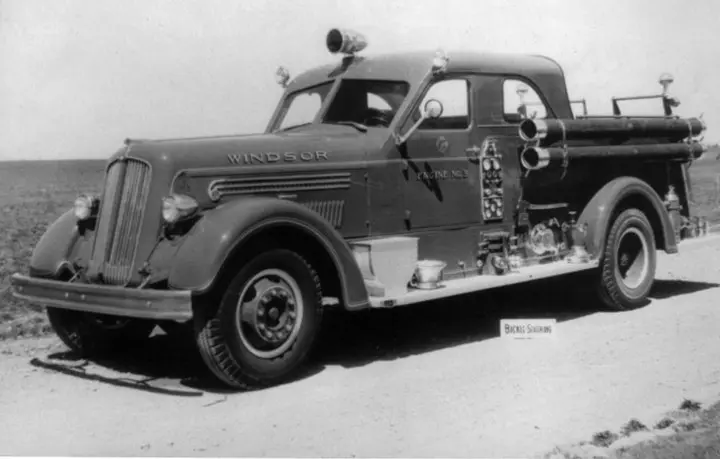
x=442, y=183
x=503, y=102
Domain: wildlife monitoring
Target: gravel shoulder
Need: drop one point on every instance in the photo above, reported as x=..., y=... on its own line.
x=430, y=381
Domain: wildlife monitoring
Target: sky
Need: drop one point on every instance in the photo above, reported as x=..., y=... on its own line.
x=77, y=77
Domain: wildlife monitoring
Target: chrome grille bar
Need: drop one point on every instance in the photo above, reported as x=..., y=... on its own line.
x=120, y=219
x=106, y=216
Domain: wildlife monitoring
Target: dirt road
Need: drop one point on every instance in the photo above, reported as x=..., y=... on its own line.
x=425, y=381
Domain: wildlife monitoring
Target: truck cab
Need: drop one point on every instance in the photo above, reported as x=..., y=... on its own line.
x=380, y=181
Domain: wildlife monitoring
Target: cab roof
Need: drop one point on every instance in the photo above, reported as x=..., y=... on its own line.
x=413, y=66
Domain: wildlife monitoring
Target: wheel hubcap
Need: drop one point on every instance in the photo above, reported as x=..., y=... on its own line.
x=269, y=313
x=633, y=258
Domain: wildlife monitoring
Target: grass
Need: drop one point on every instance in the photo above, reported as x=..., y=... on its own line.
x=688, y=432
x=695, y=438
x=35, y=193
x=631, y=427
x=604, y=439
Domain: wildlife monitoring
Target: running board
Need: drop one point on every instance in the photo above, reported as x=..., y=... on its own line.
x=482, y=282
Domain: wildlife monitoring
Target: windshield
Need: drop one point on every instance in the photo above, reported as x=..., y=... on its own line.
x=365, y=102
x=301, y=107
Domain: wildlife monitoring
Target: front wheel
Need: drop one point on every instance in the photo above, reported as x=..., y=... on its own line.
x=266, y=323
x=628, y=263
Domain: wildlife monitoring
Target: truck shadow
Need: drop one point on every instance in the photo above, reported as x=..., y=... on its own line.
x=356, y=339
x=172, y=366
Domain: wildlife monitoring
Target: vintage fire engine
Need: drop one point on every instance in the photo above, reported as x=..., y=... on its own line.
x=379, y=181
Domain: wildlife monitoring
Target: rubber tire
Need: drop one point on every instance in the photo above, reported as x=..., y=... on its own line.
x=87, y=338
x=613, y=294
x=218, y=338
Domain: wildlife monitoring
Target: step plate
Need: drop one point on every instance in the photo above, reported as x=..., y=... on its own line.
x=483, y=282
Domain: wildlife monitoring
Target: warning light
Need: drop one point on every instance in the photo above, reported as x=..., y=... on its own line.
x=440, y=61
x=282, y=76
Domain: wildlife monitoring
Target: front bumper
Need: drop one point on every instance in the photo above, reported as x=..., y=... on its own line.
x=103, y=299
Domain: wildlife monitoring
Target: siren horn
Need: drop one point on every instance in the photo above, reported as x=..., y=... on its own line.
x=345, y=41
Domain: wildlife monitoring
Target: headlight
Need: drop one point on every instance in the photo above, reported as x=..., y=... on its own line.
x=85, y=206
x=177, y=207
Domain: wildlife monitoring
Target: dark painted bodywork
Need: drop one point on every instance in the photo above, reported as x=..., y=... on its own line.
x=374, y=188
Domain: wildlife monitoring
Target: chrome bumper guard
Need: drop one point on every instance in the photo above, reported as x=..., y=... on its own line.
x=104, y=299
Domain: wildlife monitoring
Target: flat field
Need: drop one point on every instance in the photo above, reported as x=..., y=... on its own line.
x=34, y=193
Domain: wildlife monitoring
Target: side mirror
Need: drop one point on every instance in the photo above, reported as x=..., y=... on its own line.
x=432, y=109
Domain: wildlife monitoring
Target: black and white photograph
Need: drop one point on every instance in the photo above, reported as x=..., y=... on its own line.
x=360, y=228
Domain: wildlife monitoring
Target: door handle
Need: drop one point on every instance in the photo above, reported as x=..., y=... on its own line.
x=473, y=153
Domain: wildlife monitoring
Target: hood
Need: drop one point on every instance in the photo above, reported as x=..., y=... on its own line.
x=313, y=144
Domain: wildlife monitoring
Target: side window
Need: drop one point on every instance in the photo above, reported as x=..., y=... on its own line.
x=520, y=102
x=454, y=96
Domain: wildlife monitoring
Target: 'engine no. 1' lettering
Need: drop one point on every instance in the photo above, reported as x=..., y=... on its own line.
x=273, y=157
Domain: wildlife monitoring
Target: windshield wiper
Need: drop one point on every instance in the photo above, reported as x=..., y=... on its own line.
x=359, y=126
x=293, y=127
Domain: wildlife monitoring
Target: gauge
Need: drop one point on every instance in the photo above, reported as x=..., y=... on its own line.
x=493, y=207
x=487, y=165
x=496, y=164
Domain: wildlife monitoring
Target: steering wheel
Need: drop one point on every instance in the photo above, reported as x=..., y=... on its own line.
x=375, y=117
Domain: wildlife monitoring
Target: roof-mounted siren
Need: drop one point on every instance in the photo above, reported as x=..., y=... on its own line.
x=282, y=76
x=669, y=102
x=345, y=41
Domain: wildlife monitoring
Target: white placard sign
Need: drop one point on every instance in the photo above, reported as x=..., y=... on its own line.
x=527, y=328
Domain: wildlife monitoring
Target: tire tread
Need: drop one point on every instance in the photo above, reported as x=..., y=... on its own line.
x=608, y=289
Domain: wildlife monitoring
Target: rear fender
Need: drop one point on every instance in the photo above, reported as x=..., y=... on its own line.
x=598, y=213
x=221, y=233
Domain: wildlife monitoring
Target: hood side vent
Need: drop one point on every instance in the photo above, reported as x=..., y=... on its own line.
x=278, y=184
x=332, y=211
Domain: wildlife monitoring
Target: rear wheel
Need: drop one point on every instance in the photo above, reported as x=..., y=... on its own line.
x=92, y=335
x=266, y=323
x=627, y=267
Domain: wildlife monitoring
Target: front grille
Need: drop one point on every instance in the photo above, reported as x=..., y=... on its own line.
x=126, y=191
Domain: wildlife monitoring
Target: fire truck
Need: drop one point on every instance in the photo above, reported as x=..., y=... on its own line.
x=380, y=181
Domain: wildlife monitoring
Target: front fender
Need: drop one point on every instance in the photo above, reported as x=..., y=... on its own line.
x=600, y=209
x=55, y=246
x=220, y=232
